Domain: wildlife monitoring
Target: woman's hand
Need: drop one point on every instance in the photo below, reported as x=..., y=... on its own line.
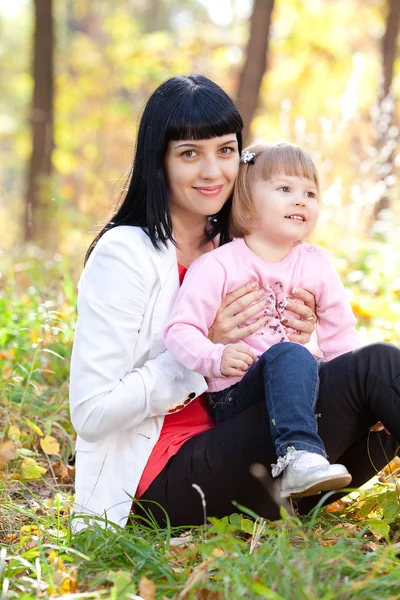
x=248, y=302
x=305, y=325
x=238, y=307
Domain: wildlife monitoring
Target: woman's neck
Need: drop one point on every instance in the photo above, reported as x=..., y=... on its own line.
x=189, y=236
x=266, y=249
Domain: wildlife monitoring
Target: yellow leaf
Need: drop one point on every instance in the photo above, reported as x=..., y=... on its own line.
x=33, y=426
x=147, y=589
x=50, y=445
x=14, y=433
x=31, y=470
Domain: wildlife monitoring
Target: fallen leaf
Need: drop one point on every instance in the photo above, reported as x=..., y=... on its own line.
x=49, y=445
x=198, y=573
x=34, y=427
x=147, y=589
x=14, y=433
x=31, y=470
x=8, y=451
x=64, y=473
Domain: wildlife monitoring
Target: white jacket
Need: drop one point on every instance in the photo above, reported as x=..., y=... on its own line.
x=123, y=381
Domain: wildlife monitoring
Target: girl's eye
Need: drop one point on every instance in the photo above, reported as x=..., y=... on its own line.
x=284, y=188
x=311, y=195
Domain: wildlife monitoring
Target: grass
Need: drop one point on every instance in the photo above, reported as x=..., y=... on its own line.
x=350, y=551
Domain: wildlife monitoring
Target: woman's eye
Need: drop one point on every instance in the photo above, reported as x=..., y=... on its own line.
x=188, y=153
x=226, y=150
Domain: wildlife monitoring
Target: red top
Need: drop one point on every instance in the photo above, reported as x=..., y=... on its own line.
x=176, y=430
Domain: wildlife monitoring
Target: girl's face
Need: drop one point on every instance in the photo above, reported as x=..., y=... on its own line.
x=286, y=208
x=201, y=174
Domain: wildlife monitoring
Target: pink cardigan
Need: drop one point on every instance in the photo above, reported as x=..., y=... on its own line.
x=225, y=269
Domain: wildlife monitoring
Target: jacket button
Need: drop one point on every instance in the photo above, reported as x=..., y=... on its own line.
x=191, y=396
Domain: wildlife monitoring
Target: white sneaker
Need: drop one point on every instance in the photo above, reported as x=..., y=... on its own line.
x=309, y=473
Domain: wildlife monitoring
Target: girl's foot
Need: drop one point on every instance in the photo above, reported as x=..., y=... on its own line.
x=309, y=473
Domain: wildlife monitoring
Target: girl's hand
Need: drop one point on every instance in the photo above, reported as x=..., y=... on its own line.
x=305, y=325
x=236, y=360
x=237, y=308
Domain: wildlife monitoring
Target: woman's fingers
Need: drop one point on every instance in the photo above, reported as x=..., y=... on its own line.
x=306, y=327
x=251, y=287
x=252, y=301
x=243, y=332
x=307, y=298
x=300, y=338
x=302, y=310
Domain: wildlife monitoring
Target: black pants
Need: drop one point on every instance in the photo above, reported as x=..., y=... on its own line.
x=356, y=390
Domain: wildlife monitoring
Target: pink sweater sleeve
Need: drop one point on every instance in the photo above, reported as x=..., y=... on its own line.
x=198, y=301
x=335, y=326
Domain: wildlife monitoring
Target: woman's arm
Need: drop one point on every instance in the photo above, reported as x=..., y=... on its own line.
x=108, y=390
x=247, y=302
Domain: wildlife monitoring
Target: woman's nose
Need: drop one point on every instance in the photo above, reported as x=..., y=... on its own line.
x=210, y=168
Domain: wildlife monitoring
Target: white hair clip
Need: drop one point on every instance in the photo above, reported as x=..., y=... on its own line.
x=247, y=157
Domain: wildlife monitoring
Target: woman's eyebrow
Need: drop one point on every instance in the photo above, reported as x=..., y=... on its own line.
x=188, y=144
x=233, y=141
x=194, y=145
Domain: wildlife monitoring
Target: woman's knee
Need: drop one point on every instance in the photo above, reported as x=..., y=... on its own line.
x=381, y=359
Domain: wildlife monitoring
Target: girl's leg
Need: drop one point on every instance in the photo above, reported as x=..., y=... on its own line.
x=290, y=375
x=356, y=390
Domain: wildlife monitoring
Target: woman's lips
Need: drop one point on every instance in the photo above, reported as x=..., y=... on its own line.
x=210, y=191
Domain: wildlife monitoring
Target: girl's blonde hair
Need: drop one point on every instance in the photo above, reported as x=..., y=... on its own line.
x=270, y=160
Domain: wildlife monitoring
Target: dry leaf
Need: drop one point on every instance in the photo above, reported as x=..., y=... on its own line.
x=63, y=472
x=337, y=506
x=7, y=452
x=50, y=445
x=198, y=573
x=147, y=589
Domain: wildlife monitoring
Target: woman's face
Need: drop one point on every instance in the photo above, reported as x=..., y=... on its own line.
x=201, y=174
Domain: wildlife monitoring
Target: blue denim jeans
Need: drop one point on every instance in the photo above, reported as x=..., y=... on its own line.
x=286, y=376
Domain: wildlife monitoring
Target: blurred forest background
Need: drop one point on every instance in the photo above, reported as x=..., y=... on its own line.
x=74, y=78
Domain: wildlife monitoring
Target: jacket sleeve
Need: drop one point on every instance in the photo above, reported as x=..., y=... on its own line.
x=108, y=391
x=193, y=314
x=336, y=322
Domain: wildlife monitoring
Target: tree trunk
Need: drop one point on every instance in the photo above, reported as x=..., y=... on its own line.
x=387, y=137
x=389, y=45
x=40, y=167
x=255, y=63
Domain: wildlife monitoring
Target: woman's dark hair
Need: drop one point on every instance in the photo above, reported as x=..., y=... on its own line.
x=181, y=108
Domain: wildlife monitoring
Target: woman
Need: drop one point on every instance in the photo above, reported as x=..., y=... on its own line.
x=143, y=429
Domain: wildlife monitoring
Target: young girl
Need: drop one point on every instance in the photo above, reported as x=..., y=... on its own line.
x=275, y=207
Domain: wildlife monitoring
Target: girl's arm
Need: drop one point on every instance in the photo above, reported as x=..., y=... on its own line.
x=336, y=322
x=108, y=390
x=186, y=335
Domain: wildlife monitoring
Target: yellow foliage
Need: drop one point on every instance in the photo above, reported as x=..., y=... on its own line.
x=49, y=445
